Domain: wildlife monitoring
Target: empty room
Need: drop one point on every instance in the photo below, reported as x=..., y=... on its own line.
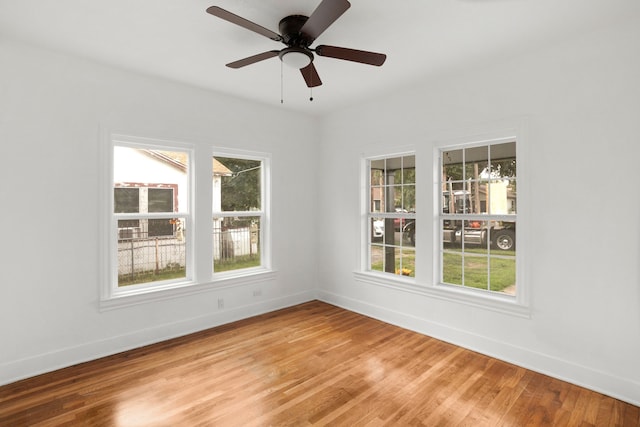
x=210, y=212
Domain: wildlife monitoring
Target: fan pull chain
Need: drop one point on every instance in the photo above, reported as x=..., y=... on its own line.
x=281, y=83
x=310, y=87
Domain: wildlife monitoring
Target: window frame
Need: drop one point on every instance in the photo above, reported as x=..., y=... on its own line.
x=517, y=305
x=197, y=216
x=263, y=212
x=426, y=282
x=469, y=216
x=368, y=215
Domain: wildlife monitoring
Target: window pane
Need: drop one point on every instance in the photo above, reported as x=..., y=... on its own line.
x=476, y=271
x=476, y=162
x=452, y=167
x=377, y=172
x=503, y=197
x=409, y=198
x=451, y=234
x=144, y=259
x=503, y=274
x=377, y=199
x=236, y=243
x=394, y=193
x=409, y=170
x=406, y=265
x=409, y=233
x=503, y=236
x=377, y=229
x=477, y=197
x=452, y=268
x=239, y=181
x=390, y=230
x=503, y=160
x=377, y=258
x=160, y=227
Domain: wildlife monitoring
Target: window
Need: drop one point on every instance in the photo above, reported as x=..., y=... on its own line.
x=147, y=185
x=391, y=215
x=153, y=209
x=477, y=193
x=237, y=213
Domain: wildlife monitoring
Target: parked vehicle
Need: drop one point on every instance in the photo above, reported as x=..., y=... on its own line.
x=476, y=232
x=502, y=235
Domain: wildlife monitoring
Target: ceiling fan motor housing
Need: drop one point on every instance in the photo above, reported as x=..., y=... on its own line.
x=290, y=30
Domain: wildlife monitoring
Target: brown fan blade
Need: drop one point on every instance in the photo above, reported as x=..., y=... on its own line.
x=354, y=55
x=245, y=23
x=325, y=14
x=253, y=59
x=310, y=75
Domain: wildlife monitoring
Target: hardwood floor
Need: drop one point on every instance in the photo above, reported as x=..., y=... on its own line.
x=313, y=364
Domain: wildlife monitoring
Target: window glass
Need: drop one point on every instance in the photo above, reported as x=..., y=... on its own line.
x=237, y=213
x=148, y=181
x=477, y=219
x=391, y=215
x=240, y=183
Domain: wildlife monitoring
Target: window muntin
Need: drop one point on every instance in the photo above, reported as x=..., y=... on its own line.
x=477, y=223
x=151, y=246
x=238, y=200
x=391, y=215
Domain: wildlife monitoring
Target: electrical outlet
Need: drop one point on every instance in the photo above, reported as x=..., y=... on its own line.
x=220, y=303
x=257, y=292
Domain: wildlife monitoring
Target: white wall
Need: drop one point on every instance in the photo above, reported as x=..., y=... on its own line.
x=51, y=111
x=581, y=99
x=581, y=102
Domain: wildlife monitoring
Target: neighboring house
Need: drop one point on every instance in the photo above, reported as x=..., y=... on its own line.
x=147, y=181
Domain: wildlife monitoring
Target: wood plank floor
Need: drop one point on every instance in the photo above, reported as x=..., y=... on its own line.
x=312, y=364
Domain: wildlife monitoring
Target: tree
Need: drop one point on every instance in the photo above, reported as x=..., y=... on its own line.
x=241, y=190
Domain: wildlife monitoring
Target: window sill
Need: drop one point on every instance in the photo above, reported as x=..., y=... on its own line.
x=175, y=290
x=504, y=304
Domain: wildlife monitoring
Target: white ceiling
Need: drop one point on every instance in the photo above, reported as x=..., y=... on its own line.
x=177, y=40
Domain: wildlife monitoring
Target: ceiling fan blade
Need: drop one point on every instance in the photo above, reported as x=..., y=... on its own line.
x=253, y=59
x=354, y=55
x=310, y=75
x=325, y=14
x=245, y=23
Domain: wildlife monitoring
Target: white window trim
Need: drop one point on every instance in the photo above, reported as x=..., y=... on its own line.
x=200, y=277
x=365, y=203
x=518, y=306
x=265, y=212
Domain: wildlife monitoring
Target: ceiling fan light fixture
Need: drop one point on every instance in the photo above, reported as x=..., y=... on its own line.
x=296, y=57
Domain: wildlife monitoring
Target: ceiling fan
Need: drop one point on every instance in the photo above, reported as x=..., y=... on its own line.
x=298, y=32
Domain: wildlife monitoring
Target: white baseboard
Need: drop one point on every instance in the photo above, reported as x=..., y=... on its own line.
x=602, y=382
x=62, y=358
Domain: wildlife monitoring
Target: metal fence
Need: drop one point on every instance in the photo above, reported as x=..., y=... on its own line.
x=138, y=253
x=234, y=242
x=150, y=254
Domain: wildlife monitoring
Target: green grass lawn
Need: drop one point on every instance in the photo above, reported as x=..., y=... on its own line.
x=151, y=276
x=495, y=274
x=408, y=264
x=236, y=263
